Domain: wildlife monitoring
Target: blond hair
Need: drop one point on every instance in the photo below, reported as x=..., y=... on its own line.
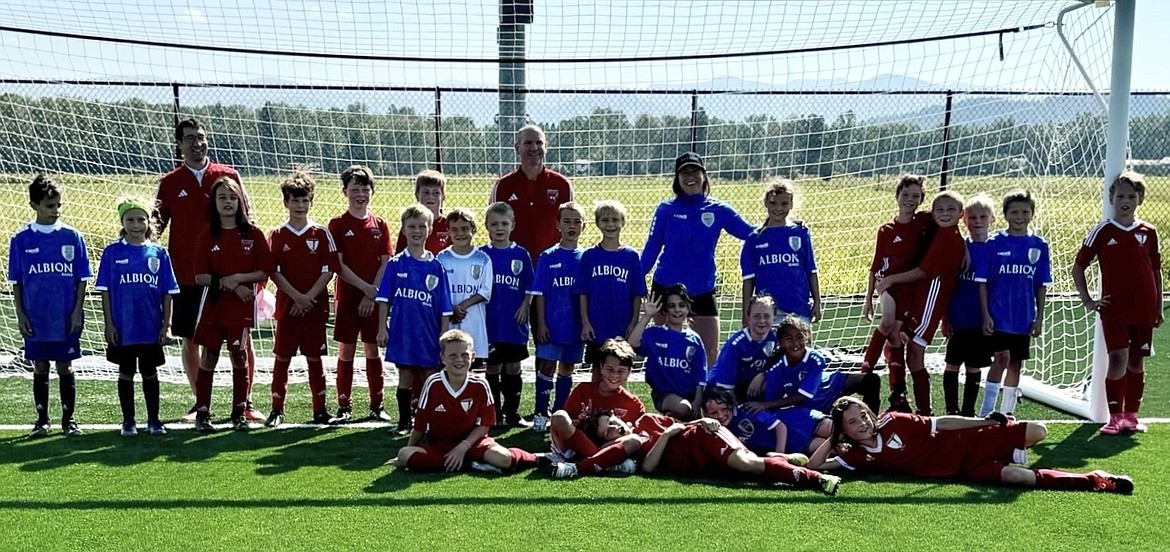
x=418, y=210
x=455, y=336
x=608, y=207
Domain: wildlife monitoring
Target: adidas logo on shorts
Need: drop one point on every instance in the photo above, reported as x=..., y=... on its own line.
x=182, y=193
x=214, y=248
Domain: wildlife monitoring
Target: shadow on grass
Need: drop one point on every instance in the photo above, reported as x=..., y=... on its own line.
x=1081, y=449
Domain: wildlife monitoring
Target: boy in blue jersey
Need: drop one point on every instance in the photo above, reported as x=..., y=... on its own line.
x=610, y=283
x=556, y=315
x=777, y=259
x=414, y=308
x=1017, y=274
x=676, y=363
x=48, y=268
x=966, y=344
x=136, y=281
x=747, y=352
x=507, y=312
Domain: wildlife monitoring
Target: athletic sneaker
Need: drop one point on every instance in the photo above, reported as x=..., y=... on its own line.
x=1129, y=422
x=564, y=470
x=129, y=429
x=71, y=429
x=252, y=414
x=404, y=428
x=484, y=467
x=829, y=483
x=1114, y=425
x=1109, y=483
x=344, y=413
x=540, y=423
x=192, y=414
x=40, y=429
x=241, y=423
x=322, y=417
x=797, y=459
x=203, y=423
x=155, y=427
x=627, y=467
x=275, y=418
x=379, y=414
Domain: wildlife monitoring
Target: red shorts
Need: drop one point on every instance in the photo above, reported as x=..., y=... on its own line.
x=694, y=452
x=347, y=325
x=1138, y=339
x=213, y=335
x=436, y=451
x=305, y=334
x=924, y=311
x=991, y=450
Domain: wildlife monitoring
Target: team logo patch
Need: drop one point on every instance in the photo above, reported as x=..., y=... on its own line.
x=466, y=404
x=1033, y=255
x=153, y=264
x=312, y=243
x=443, y=237
x=476, y=272
x=745, y=429
x=67, y=252
x=1140, y=237
x=517, y=266
x=553, y=194
x=431, y=282
x=247, y=245
x=894, y=442
x=794, y=243
x=708, y=219
x=690, y=352
x=377, y=233
x=769, y=347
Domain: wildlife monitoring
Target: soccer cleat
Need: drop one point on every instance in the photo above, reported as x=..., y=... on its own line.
x=829, y=483
x=379, y=414
x=1130, y=422
x=252, y=414
x=564, y=470
x=191, y=414
x=155, y=427
x=40, y=429
x=1114, y=425
x=344, y=413
x=513, y=419
x=797, y=459
x=203, y=423
x=1106, y=482
x=275, y=418
x=540, y=423
x=484, y=467
x=322, y=417
x=71, y=429
x=129, y=429
x=898, y=403
x=403, y=429
x=627, y=467
x=241, y=423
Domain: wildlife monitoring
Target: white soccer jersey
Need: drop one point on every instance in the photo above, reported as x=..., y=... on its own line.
x=469, y=275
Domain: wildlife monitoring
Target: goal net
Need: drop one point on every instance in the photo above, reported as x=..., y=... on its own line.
x=840, y=96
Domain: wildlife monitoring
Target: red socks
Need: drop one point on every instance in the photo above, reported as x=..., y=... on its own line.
x=896, y=361
x=279, y=383
x=345, y=382
x=874, y=349
x=1135, y=386
x=373, y=378
x=203, y=381
x=240, y=385
x=425, y=461
x=522, y=459
x=580, y=444
x=922, y=391
x=777, y=468
x=607, y=457
x=1058, y=480
x=317, y=384
x=1115, y=394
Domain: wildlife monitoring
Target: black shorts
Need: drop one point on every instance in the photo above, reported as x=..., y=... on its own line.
x=185, y=310
x=1019, y=346
x=137, y=356
x=969, y=348
x=506, y=353
x=701, y=305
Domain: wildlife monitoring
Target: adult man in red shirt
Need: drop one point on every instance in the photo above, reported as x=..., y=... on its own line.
x=183, y=199
x=534, y=192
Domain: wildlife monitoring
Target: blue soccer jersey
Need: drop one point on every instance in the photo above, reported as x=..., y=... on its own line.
x=758, y=430
x=1017, y=266
x=48, y=262
x=964, y=312
x=137, y=277
x=682, y=240
x=804, y=377
x=611, y=280
x=556, y=274
x=779, y=259
x=512, y=268
x=676, y=362
x=419, y=299
x=741, y=358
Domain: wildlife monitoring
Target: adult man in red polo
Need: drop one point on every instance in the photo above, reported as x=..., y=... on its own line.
x=534, y=192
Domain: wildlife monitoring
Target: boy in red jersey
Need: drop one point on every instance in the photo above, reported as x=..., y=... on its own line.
x=588, y=398
x=306, y=259
x=898, y=243
x=233, y=256
x=980, y=450
x=1130, y=307
x=363, y=247
x=455, y=412
x=930, y=285
x=430, y=189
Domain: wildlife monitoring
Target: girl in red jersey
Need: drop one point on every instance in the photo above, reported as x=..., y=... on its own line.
x=232, y=256
x=981, y=450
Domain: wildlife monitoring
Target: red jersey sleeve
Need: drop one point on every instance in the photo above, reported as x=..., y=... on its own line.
x=332, y=257
x=879, y=254
x=1088, y=250
x=487, y=410
x=203, y=247
x=575, y=404
x=1155, y=252
x=945, y=255
x=384, y=246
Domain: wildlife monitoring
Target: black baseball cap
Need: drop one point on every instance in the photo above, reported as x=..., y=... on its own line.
x=688, y=159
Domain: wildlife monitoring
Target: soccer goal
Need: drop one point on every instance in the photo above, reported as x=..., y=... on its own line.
x=840, y=96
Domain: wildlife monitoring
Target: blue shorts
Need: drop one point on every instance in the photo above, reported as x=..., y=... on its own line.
x=802, y=425
x=53, y=351
x=832, y=388
x=569, y=354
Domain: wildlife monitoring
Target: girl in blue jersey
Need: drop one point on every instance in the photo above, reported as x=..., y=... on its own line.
x=799, y=377
x=747, y=352
x=683, y=235
x=782, y=432
x=676, y=364
x=136, y=281
x=777, y=259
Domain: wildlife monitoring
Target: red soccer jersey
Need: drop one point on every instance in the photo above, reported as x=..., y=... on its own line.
x=301, y=256
x=942, y=264
x=535, y=203
x=908, y=444
x=183, y=200
x=228, y=254
x=897, y=245
x=1129, y=259
x=446, y=415
x=361, y=243
x=437, y=241
x=585, y=400
x=650, y=427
